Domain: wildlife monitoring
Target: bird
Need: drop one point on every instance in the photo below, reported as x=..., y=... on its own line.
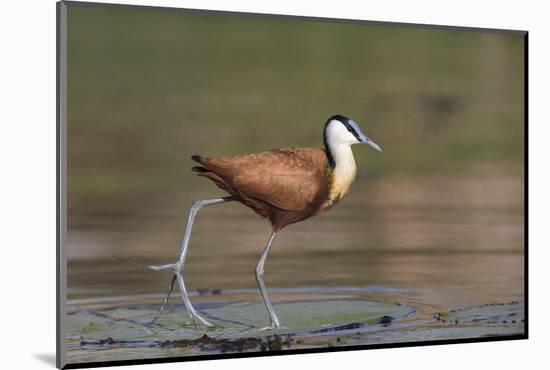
x=285, y=186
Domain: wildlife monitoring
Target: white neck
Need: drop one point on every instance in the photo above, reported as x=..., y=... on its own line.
x=343, y=159
x=344, y=169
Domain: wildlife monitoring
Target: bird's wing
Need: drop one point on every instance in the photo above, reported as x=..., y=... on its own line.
x=288, y=179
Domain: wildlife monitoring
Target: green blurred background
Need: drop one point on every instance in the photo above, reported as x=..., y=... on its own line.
x=148, y=89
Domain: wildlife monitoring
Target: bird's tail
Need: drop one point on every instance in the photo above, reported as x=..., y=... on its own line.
x=196, y=158
x=199, y=169
x=205, y=171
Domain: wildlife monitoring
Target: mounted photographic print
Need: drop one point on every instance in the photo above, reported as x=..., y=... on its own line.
x=235, y=184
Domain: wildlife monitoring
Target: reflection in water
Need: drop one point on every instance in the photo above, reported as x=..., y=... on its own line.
x=435, y=222
x=441, y=241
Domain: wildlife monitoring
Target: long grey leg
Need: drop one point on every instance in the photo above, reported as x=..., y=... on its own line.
x=166, y=297
x=190, y=309
x=178, y=266
x=274, y=321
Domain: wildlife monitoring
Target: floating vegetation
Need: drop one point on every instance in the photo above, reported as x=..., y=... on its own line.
x=126, y=331
x=501, y=313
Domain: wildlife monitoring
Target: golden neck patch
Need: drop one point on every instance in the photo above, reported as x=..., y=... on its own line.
x=341, y=174
x=340, y=181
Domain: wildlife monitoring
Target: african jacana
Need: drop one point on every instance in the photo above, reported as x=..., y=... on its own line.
x=283, y=185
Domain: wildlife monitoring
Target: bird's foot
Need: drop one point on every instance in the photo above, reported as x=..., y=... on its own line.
x=178, y=275
x=199, y=320
x=272, y=326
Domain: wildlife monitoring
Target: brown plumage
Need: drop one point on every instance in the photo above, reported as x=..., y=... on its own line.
x=283, y=185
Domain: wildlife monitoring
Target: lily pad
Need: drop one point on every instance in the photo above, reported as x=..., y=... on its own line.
x=132, y=325
x=501, y=313
x=309, y=316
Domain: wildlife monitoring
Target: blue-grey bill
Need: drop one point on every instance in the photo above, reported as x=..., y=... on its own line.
x=374, y=145
x=364, y=139
x=371, y=143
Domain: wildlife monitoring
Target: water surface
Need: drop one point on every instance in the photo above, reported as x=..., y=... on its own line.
x=428, y=244
x=438, y=244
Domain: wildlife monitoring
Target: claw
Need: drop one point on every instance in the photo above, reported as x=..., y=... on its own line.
x=271, y=326
x=203, y=321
